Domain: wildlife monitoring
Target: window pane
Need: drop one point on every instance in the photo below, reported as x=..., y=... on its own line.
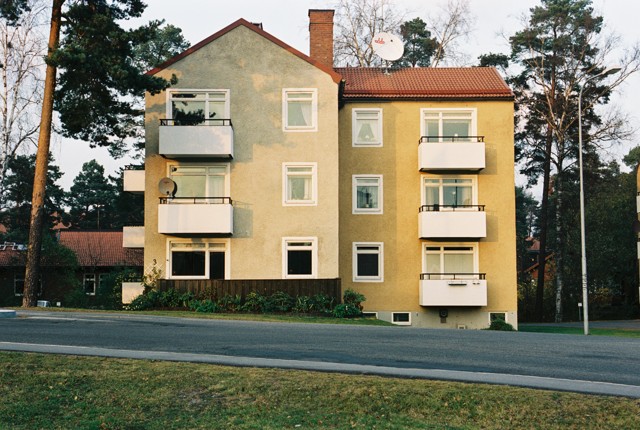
x=187, y=263
x=217, y=109
x=188, y=108
x=458, y=263
x=189, y=186
x=458, y=127
x=433, y=263
x=298, y=113
x=298, y=262
x=299, y=188
x=368, y=264
x=367, y=196
x=431, y=195
x=216, y=186
x=367, y=126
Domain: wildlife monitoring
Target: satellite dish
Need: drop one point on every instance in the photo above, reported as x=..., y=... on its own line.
x=388, y=46
x=167, y=187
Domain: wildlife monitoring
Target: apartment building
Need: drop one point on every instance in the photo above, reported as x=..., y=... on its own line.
x=265, y=163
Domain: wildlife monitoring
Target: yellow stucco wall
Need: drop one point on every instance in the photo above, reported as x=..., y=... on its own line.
x=256, y=70
x=397, y=227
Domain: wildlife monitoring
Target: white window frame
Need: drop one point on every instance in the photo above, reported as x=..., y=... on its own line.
x=209, y=246
x=227, y=101
x=86, y=278
x=313, y=247
x=379, y=252
x=440, y=178
x=354, y=196
x=473, y=245
x=400, y=322
x=473, y=129
x=354, y=127
x=314, y=109
x=313, y=201
x=227, y=181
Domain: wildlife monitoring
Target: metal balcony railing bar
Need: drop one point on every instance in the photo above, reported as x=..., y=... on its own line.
x=191, y=122
x=194, y=200
x=434, y=139
x=450, y=276
x=436, y=208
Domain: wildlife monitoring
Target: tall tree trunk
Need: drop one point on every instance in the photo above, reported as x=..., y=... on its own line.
x=544, y=210
x=32, y=273
x=559, y=254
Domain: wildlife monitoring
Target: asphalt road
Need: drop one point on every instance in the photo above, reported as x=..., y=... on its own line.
x=575, y=363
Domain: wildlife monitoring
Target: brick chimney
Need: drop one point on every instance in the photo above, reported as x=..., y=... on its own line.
x=321, y=35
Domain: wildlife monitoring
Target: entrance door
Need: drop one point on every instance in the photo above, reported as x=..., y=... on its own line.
x=216, y=265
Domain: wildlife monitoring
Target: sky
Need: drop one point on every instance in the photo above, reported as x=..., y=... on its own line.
x=495, y=21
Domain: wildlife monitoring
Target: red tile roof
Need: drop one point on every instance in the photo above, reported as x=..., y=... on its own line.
x=100, y=248
x=424, y=83
x=92, y=249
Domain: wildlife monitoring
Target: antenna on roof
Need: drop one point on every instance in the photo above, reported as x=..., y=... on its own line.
x=388, y=46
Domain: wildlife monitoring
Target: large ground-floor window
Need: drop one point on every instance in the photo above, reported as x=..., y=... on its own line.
x=300, y=257
x=198, y=260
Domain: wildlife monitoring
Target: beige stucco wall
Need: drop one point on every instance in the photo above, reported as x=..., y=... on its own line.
x=397, y=227
x=256, y=70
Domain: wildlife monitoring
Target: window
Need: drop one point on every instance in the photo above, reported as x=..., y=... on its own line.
x=368, y=262
x=198, y=107
x=448, y=125
x=18, y=284
x=89, y=284
x=300, y=184
x=367, y=127
x=299, y=257
x=198, y=260
x=497, y=316
x=200, y=181
x=449, y=191
x=401, y=318
x=458, y=261
x=367, y=194
x=299, y=109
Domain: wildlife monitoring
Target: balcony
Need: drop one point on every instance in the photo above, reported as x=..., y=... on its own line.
x=192, y=215
x=450, y=222
x=133, y=180
x=133, y=237
x=441, y=153
x=449, y=289
x=184, y=139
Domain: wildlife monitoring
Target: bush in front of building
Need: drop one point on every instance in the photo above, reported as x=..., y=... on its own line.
x=351, y=305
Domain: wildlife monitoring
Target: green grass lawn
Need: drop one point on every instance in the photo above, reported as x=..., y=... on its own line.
x=67, y=392
x=580, y=331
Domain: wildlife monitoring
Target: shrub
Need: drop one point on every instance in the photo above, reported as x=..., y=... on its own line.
x=303, y=304
x=205, y=306
x=148, y=300
x=254, y=302
x=351, y=306
x=280, y=302
x=230, y=303
x=322, y=303
x=500, y=325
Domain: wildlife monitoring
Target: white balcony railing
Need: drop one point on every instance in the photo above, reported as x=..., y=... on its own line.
x=468, y=289
x=191, y=215
x=449, y=222
x=214, y=139
x=451, y=153
x=133, y=181
x=133, y=237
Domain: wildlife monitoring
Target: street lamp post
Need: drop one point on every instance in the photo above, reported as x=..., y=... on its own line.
x=583, y=247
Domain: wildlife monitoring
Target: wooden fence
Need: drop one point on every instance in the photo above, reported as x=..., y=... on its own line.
x=216, y=289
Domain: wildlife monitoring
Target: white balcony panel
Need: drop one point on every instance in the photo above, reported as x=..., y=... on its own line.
x=638, y=204
x=195, y=218
x=451, y=156
x=133, y=181
x=196, y=141
x=445, y=224
x=453, y=292
x=133, y=237
x=131, y=290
